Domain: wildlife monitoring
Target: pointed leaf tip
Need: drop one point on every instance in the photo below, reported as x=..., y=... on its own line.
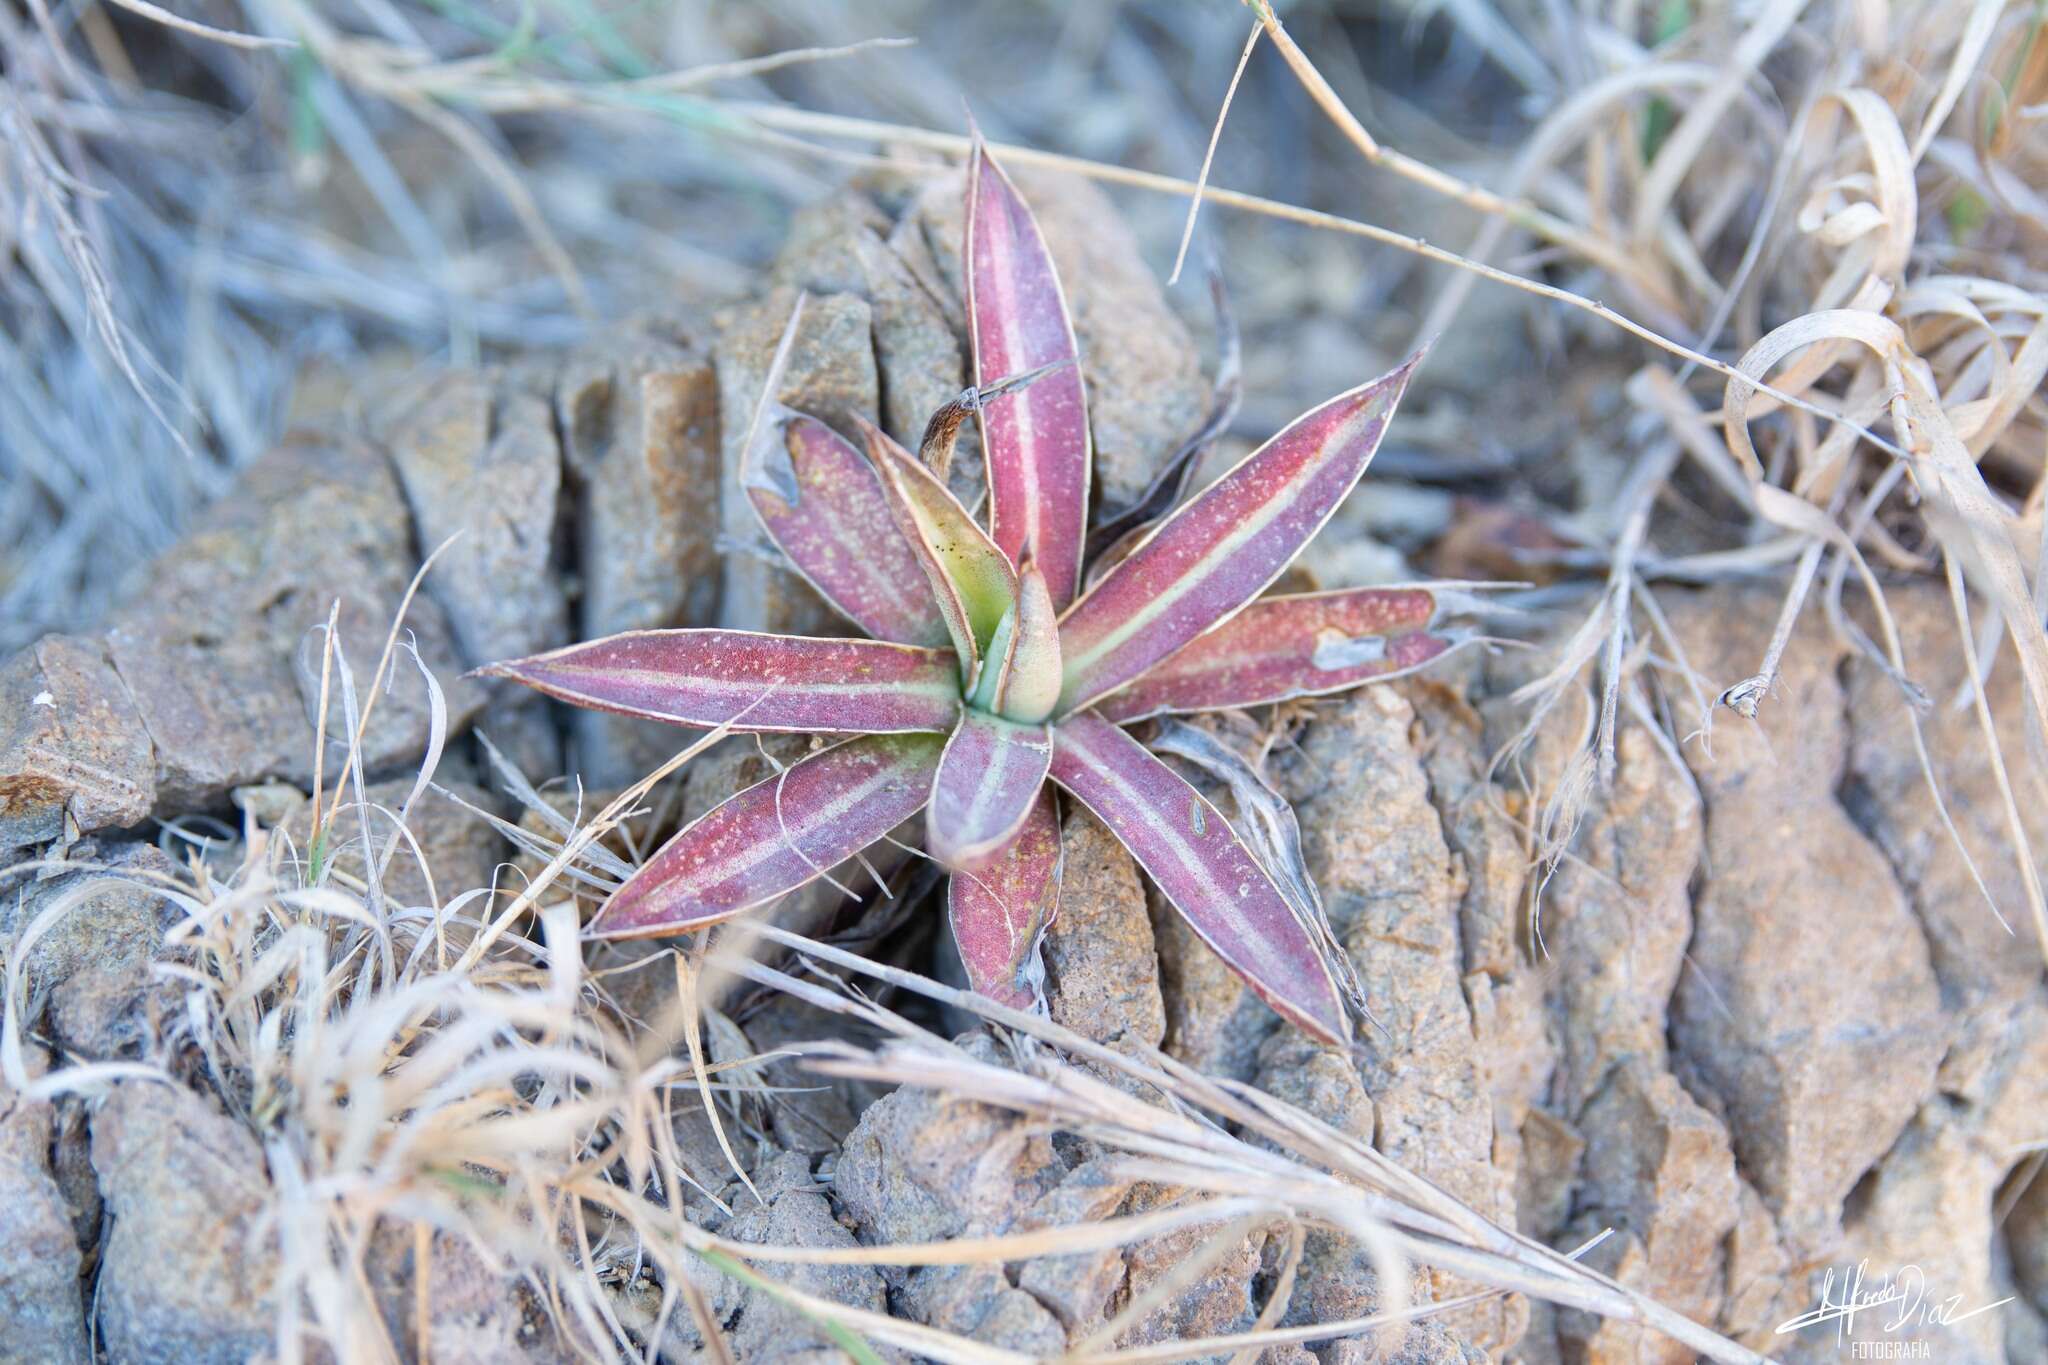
x=1034, y=438
x=775, y=836
x=1221, y=549
x=751, y=682
x=1201, y=866
x=824, y=506
x=1029, y=687
x=1298, y=645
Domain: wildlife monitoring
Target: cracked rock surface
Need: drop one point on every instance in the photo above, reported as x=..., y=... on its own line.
x=1759, y=1026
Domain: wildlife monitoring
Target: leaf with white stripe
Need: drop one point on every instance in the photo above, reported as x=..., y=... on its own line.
x=992, y=771
x=775, y=836
x=751, y=681
x=1300, y=645
x=1222, y=549
x=1000, y=910
x=1035, y=442
x=823, y=505
x=1200, y=865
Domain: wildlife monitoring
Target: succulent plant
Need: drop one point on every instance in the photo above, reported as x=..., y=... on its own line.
x=995, y=671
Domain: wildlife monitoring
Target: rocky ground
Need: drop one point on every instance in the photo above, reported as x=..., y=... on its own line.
x=1758, y=1025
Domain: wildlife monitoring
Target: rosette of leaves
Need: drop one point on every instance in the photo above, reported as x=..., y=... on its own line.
x=997, y=670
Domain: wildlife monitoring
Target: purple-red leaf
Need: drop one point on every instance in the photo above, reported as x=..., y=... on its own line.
x=992, y=771
x=1035, y=441
x=775, y=836
x=1281, y=647
x=1000, y=910
x=751, y=681
x=972, y=580
x=1220, y=550
x=1198, y=862
x=824, y=506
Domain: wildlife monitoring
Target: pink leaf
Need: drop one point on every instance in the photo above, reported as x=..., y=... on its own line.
x=1035, y=442
x=1281, y=647
x=823, y=505
x=992, y=771
x=775, y=836
x=1198, y=862
x=1000, y=911
x=751, y=681
x=1220, y=550
x=973, y=580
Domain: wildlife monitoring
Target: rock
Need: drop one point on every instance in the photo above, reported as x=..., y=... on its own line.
x=41, y=1301
x=816, y=1113
x=1146, y=393
x=1811, y=1016
x=1928, y=1216
x=1295, y=1068
x=189, y=1268
x=90, y=970
x=1546, y=1174
x=1617, y=916
x=1077, y=1288
x=841, y=246
x=75, y=757
x=1658, y=1170
x=921, y=1166
x=797, y=1215
x=1214, y=1022
x=1335, y=1282
x=476, y=455
x=978, y=1302
x=218, y=641
x=2025, y=1236
x=1207, y=1299
x=640, y=425
x=831, y=376
x=1979, y=964
x=1101, y=973
x=476, y=1313
x=1761, y=1292
x=1376, y=847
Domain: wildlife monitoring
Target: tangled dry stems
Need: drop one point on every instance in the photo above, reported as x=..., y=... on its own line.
x=1854, y=369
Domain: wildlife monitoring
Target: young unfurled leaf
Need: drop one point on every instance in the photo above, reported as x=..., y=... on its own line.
x=1029, y=685
x=1000, y=910
x=752, y=682
x=1036, y=441
x=1294, y=646
x=992, y=771
x=1189, y=850
x=775, y=836
x=1220, y=550
x=823, y=505
x=970, y=577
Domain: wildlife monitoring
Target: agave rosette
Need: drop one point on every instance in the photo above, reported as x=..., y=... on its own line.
x=991, y=677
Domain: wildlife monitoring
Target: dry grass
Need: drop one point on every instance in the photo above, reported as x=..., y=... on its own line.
x=1806, y=240
x=454, y=1067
